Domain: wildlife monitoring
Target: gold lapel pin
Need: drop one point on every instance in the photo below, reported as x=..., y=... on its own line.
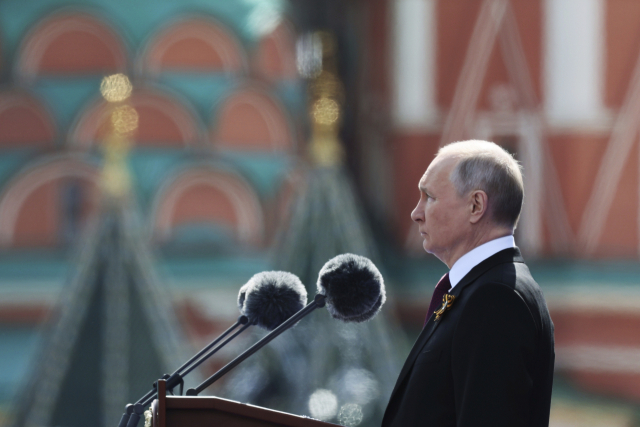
x=447, y=302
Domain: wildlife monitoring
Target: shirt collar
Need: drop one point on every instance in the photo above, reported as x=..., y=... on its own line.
x=476, y=256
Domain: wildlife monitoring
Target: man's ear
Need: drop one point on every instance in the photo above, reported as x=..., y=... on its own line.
x=478, y=203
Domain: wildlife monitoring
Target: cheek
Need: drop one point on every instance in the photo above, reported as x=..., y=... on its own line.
x=440, y=223
x=435, y=226
x=436, y=216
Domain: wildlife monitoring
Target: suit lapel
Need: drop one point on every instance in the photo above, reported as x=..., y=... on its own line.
x=508, y=255
x=424, y=336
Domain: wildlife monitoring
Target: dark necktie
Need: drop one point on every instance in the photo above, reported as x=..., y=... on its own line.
x=442, y=288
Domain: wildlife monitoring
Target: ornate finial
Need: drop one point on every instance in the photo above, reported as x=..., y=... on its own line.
x=327, y=95
x=123, y=119
x=116, y=88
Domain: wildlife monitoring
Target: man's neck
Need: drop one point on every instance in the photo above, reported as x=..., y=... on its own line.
x=477, y=255
x=477, y=240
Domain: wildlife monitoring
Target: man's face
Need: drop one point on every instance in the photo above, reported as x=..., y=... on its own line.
x=442, y=216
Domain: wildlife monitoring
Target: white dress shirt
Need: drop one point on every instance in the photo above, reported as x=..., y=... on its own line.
x=476, y=256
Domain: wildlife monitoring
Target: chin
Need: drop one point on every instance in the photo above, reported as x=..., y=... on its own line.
x=428, y=248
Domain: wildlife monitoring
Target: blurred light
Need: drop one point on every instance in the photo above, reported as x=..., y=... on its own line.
x=323, y=404
x=360, y=385
x=265, y=16
x=116, y=87
x=325, y=111
x=309, y=55
x=350, y=415
x=124, y=119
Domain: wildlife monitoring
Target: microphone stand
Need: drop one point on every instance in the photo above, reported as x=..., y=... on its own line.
x=133, y=412
x=318, y=301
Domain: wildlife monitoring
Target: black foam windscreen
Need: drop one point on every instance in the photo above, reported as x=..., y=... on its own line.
x=353, y=286
x=242, y=296
x=271, y=297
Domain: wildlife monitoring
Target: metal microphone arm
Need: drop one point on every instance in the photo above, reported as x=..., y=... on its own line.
x=318, y=301
x=132, y=413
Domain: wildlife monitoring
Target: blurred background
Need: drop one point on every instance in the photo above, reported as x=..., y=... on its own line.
x=154, y=155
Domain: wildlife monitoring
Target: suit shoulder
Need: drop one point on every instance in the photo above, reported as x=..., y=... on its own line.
x=517, y=277
x=504, y=291
x=497, y=303
x=487, y=291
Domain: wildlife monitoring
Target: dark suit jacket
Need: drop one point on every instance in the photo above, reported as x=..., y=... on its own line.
x=488, y=361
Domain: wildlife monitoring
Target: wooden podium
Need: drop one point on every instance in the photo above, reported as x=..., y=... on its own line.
x=185, y=411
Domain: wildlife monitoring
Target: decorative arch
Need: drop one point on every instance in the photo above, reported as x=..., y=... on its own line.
x=208, y=195
x=276, y=53
x=163, y=120
x=252, y=120
x=194, y=44
x=71, y=43
x=32, y=205
x=24, y=121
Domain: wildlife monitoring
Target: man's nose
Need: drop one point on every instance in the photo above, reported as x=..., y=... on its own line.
x=417, y=215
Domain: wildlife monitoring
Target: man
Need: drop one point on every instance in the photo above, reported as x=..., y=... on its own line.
x=485, y=357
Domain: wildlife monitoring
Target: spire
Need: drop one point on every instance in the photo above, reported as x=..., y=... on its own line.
x=329, y=370
x=114, y=332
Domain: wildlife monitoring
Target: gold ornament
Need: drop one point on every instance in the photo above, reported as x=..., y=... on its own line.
x=447, y=302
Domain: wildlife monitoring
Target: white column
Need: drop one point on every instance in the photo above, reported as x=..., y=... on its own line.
x=530, y=151
x=574, y=62
x=414, y=44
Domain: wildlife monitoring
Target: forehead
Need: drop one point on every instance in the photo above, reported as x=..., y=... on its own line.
x=438, y=171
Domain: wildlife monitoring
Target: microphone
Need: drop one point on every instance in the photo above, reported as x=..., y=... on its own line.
x=353, y=290
x=272, y=297
x=266, y=300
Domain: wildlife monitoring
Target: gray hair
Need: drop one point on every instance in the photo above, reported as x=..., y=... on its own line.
x=488, y=167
